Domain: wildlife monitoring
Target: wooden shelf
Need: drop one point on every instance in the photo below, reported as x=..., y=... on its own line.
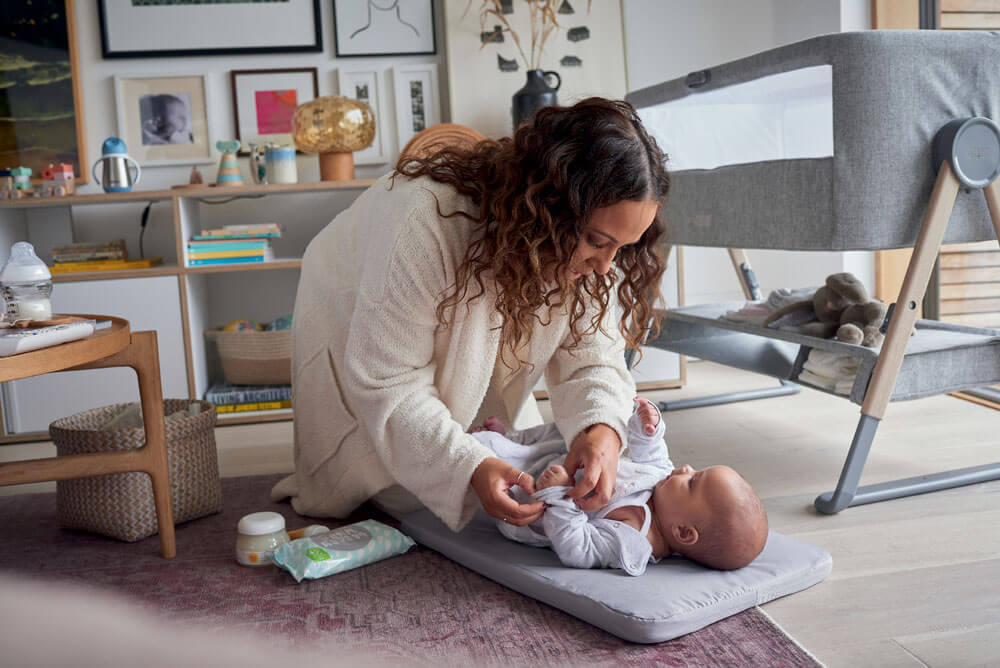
x=73, y=277
x=247, y=417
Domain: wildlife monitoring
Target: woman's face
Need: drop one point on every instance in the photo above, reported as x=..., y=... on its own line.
x=609, y=229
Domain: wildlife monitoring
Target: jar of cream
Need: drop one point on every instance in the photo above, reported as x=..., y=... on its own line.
x=258, y=535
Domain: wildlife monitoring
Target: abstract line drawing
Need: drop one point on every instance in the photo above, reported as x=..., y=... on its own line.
x=392, y=6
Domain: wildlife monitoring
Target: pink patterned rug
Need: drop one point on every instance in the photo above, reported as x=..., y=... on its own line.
x=418, y=604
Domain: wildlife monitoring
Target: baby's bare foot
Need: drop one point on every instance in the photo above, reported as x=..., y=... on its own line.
x=554, y=476
x=648, y=414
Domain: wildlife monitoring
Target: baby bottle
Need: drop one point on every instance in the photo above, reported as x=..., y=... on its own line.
x=26, y=284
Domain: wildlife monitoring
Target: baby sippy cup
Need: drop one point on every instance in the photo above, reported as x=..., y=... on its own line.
x=115, y=162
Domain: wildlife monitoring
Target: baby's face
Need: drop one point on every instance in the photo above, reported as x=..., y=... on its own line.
x=174, y=118
x=688, y=495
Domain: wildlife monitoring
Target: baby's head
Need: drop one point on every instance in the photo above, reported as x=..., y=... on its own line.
x=169, y=114
x=712, y=516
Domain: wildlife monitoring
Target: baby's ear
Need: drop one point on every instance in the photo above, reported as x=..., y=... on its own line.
x=684, y=534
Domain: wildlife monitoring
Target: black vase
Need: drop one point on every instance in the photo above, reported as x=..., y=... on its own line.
x=537, y=93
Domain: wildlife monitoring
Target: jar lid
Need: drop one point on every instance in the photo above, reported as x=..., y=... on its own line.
x=259, y=524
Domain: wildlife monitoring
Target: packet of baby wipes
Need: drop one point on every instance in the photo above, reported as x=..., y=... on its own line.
x=341, y=549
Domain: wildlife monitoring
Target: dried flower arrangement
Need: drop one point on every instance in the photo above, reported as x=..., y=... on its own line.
x=542, y=19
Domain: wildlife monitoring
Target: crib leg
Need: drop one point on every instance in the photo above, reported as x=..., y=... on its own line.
x=784, y=389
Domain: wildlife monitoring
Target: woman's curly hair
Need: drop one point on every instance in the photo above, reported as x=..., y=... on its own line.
x=535, y=192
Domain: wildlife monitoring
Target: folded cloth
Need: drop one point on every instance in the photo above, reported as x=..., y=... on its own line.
x=784, y=296
x=829, y=370
x=819, y=381
x=751, y=312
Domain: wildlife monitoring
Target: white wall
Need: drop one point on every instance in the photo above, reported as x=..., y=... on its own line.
x=666, y=39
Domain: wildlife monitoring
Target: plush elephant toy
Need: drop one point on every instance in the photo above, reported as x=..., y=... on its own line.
x=840, y=308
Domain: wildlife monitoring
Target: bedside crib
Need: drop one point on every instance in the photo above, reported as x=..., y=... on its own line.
x=852, y=141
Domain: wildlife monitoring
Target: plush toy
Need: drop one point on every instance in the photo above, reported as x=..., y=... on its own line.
x=840, y=308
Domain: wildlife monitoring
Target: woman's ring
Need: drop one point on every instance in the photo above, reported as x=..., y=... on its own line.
x=518, y=481
x=505, y=519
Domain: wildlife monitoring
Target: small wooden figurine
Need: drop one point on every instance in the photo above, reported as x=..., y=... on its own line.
x=21, y=186
x=58, y=180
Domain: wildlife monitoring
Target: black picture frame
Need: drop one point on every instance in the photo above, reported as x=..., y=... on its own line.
x=424, y=45
x=109, y=50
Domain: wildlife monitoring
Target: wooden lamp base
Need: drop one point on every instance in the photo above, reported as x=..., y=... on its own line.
x=336, y=166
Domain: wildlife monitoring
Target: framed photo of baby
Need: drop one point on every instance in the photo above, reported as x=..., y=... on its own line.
x=163, y=119
x=264, y=101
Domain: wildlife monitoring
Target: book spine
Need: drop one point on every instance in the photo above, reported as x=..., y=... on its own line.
x=207, y=255
x=104, y=265
x=227, y=245
x=225, y=260
x=88, y=256
x=254, y=406
x=229, y=397
x=215, y=237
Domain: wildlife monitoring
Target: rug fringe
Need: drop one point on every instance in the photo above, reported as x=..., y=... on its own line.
x=789, y=636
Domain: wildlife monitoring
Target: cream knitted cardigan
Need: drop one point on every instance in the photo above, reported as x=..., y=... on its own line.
x=384, y=395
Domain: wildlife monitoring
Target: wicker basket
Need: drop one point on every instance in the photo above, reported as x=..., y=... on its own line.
x=255, y=358
x=121, y=505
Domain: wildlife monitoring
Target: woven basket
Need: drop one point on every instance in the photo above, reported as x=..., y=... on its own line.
x=255, y=358
x=121, y=505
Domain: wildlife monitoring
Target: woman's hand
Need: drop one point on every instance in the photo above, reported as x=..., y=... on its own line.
x=595, y=450
x=491, y=480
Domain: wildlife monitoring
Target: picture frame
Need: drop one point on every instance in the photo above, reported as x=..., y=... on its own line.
x=157, y=28
x=163, y=118
x=383, y=28
x=41, y=37
x=417, y=103
x=365, y=84
x=264, y=101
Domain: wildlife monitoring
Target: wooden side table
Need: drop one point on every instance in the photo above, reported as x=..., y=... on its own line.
x=111, y=347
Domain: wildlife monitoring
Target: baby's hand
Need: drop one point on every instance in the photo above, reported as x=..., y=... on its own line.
x=490, y=424
x=554, y=476
x=648, y=414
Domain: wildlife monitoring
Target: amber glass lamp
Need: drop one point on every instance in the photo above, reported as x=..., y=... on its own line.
x=335, y=127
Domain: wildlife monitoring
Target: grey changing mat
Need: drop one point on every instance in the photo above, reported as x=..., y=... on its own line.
x=672, y=598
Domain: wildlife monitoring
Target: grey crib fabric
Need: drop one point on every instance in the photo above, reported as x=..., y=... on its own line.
x=940, y=357
x=892, y=91
x=670, y=599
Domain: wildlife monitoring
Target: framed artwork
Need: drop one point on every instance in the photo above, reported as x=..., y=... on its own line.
x=264, y=101
x=41, y=109
x=417, y=106
x=163, y=119
x=383, y=27
x=366, y=85
x=157, y=28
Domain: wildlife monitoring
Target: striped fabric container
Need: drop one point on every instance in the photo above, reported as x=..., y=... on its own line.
x=120, y=505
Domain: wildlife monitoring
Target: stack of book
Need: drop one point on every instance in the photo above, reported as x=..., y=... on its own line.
x=96, y=256
x=242, y=398
x=233, y=244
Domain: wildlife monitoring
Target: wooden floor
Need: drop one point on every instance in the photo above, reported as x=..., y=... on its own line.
x=915, y=582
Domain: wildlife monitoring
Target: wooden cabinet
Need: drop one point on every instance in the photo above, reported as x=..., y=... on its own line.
x=178, y=301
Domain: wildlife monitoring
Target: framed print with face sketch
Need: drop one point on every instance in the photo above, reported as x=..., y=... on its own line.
x=384, y=27
x=163, y=119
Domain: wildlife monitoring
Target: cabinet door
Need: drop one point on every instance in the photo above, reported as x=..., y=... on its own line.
x=147, y=303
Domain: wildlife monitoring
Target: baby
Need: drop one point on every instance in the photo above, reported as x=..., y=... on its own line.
x=166, y=121
x=711, y=515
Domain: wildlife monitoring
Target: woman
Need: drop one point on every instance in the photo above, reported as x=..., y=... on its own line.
x=448, y=288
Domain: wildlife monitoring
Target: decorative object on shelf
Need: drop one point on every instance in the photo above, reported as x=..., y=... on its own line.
x=145, y=29
x=58, y=180
x=243, y=325
x=164, y=118
x=440, y=136
x=115, y=161
x=41, y=98
x=335, y=127
x=6, y=184
x=365, y=84
x=383, y=27
x=196, y=178
x=277, y=165
x=417, y=106
x=264, y=101
x=535, y=94
x=229, y=168
x=20, y=182
x=502, y=41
